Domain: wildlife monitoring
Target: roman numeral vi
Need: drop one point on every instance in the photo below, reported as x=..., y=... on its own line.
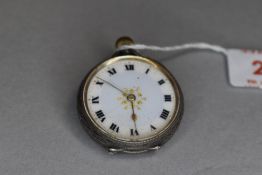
x=133, y=132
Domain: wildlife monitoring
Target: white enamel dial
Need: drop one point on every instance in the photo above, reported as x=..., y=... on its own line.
x=131, y=99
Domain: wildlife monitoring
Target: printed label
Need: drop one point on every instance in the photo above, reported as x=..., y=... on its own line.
x=245, y=67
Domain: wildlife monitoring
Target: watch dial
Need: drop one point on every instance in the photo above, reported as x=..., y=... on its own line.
x=131, y=99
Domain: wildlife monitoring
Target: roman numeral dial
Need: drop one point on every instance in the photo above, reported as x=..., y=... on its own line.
x=130, y=99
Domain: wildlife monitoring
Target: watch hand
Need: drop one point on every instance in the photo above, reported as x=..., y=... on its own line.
x=133, y=116
x=112, y=85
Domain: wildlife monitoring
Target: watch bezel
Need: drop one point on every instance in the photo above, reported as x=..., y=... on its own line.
x=116, y=144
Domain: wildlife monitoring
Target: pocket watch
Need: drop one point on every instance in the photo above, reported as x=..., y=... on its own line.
x=130, y=103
